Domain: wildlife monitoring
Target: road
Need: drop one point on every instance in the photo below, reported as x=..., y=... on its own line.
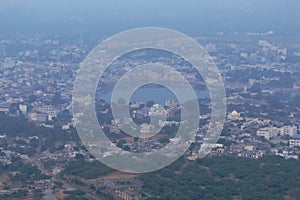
x=49, y=195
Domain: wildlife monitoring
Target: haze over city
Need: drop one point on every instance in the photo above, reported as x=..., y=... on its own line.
x=149, y=100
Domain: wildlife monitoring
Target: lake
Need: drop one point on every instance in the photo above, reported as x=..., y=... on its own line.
x=157, y=94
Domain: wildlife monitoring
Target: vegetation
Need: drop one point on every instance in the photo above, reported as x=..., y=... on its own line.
x=85, y=169
x=19, y=194
x=21, y=127
x=25, y=173
x=75, y=195
x=226, y=178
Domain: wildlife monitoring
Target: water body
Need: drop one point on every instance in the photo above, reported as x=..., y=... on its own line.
x=157, y=94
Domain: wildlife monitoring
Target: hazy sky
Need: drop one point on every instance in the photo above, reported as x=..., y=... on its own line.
x=116, y=15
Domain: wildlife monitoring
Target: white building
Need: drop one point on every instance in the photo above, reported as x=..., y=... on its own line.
x=288, y=130
x=267, y=132
x=295, y=141
x=210, y=48
x=156, y=110
x=234, y=115
x=23, y=108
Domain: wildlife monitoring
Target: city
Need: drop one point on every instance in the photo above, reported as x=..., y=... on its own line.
x=42, y=156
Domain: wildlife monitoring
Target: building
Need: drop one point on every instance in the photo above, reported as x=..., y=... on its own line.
x=126, y=188
x=23, y=108
x=193, y=156
x=288, y=130
x=156, y=110
x=4, y=107
x=114, y=128
x=295, y=141
x=172, y=104
x=37, y=117
x=249, y=148
x=145, y=134
x=267, y=132
x=210, y=48
x=234, y=115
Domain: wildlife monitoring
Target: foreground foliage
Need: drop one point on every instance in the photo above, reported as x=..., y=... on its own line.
x=226, y=178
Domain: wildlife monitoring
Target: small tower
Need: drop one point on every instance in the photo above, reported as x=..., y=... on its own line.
x=145, y=131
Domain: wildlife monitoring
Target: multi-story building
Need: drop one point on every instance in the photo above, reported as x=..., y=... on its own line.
x=267, y=132
x=295, y=141
x=127, y=189
x=288, y=130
